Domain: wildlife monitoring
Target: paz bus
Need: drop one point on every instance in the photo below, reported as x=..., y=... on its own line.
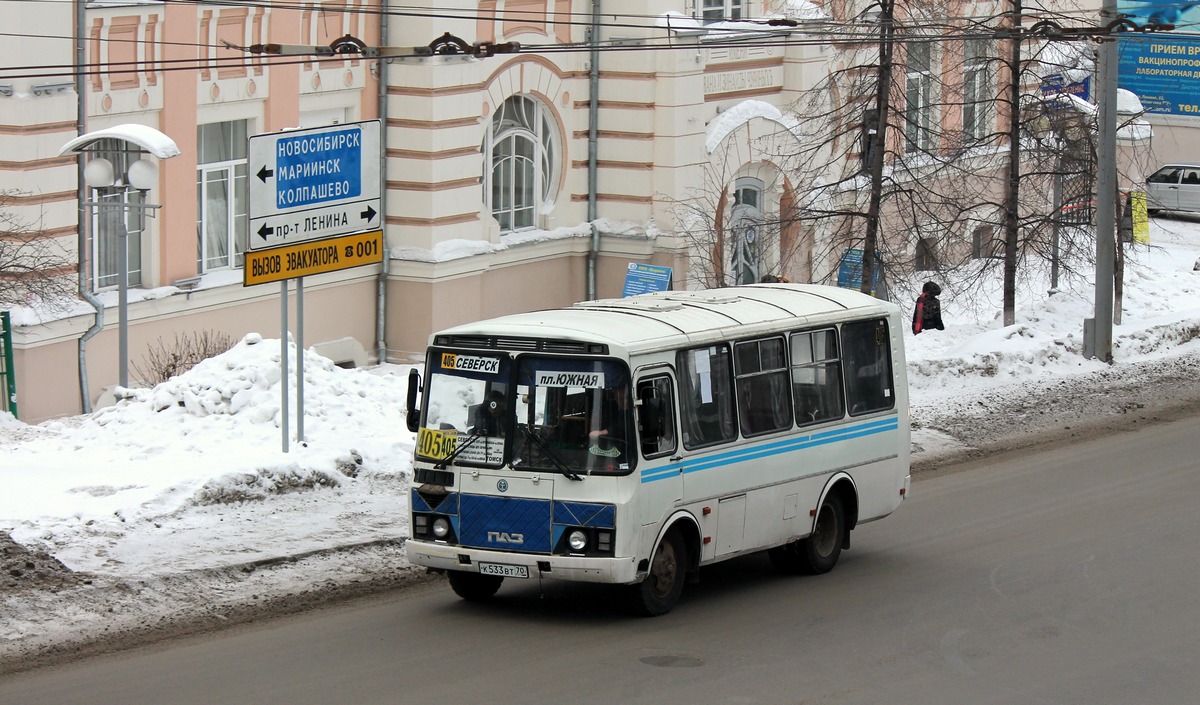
x=633, y=441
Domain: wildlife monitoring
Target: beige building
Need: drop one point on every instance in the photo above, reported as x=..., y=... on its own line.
x=510, y=182
x=676, y=133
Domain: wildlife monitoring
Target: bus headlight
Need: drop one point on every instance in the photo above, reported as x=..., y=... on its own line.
x=441, y=527
x=577, y=540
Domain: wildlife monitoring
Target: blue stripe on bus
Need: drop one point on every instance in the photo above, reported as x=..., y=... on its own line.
x=788, y=445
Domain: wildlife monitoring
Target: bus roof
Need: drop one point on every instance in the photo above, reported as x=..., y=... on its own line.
x=666, y=319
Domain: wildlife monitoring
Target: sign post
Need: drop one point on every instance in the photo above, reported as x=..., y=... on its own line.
x=314, y=207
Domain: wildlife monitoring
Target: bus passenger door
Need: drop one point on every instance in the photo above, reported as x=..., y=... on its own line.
x=658, y=437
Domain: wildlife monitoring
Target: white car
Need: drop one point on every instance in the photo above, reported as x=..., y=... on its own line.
x=1174, y=187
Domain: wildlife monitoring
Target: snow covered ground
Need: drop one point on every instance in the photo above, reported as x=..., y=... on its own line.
x=177, y=509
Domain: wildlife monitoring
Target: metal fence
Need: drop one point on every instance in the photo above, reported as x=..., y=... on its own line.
x=8, y=376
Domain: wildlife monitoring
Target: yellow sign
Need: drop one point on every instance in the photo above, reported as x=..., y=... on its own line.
x=436, y=444
x=315, y=257
x=1141, y=220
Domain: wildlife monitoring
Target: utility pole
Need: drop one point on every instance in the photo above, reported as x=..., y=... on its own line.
x=1012, y=223
x=1098, y=331
x=877, y=141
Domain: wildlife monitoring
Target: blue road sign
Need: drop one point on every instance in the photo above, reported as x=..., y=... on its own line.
x=314, y=183
x=318, y=168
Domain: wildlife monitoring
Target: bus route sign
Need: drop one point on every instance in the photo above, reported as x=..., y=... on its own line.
x=314, y=183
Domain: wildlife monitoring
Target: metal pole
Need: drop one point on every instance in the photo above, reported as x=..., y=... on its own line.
x=1056, y=224
x=123, y=294
x=1106, y=177
x=593, y=36
x=283, y=362
x=300, y=359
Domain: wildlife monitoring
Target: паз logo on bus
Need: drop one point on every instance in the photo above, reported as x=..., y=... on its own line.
x=505, y=537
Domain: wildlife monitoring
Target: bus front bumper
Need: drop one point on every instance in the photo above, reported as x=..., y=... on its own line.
x=440, y=556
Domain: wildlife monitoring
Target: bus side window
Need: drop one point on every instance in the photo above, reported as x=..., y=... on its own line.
x=868, y=368
x=706, y=396
x=764, y=401
x=656, y=416
x=816, y=376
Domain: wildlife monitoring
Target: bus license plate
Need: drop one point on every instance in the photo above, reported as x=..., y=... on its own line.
x=504, y=571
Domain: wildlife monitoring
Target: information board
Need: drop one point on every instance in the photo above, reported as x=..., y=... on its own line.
x=850, y=271
x=1161, y=68
x=645, y=278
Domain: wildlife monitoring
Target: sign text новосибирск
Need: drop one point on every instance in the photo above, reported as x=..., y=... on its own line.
x=318, y=168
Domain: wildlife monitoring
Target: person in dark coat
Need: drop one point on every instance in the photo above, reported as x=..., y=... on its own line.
x=928, y=311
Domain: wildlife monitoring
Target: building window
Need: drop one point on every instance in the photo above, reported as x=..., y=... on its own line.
x=925, y=259
x=522, y=153
x=918, y=98
x=977, y=90
x=222, y=222
x=985, y=244
x=746, y=231
x=721, y=10
x=117, y=215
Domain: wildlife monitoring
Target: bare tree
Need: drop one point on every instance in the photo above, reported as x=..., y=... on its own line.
x=34, y=270
x=959, y=155
x=931, y=143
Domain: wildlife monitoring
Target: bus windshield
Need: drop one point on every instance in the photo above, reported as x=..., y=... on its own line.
x=573, y=416
x=468, y=417
x=567, y=415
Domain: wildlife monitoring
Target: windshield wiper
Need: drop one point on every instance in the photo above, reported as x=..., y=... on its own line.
x=475, y=435
x=558, y=464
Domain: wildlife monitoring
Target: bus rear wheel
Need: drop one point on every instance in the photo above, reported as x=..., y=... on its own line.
x=659, y=592
x=474, y=587
x=819, y=552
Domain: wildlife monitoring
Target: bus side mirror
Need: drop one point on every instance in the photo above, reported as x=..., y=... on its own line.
x=413, y=419
x=651, y=418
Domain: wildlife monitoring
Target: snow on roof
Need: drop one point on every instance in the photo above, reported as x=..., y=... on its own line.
x=740, y=114
x=144, y=136
x=802, y=10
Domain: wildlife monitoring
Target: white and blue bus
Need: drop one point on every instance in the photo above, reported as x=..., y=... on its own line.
x=633, y=441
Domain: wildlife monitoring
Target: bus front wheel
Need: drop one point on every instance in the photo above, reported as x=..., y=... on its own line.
x=659, y=592
x=819, y=552
x=473, y=587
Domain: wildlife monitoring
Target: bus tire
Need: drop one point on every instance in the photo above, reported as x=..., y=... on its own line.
x=658, y=593
x=818, y=553
x=473, y=587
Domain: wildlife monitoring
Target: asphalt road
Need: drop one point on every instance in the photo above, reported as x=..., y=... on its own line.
x=1061, y=575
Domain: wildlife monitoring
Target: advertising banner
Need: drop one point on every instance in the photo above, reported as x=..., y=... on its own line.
x=1161, y=68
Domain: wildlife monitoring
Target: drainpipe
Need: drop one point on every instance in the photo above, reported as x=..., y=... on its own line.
x=381, y=285
x=85, y=292
x=593, y=38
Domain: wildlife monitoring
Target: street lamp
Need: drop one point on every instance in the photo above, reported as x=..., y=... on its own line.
x=114, y=191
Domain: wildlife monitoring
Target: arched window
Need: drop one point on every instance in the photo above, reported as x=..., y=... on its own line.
x=522, y=155
x=746, y=231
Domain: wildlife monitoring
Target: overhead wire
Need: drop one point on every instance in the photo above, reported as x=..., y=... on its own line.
x=740, y=36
